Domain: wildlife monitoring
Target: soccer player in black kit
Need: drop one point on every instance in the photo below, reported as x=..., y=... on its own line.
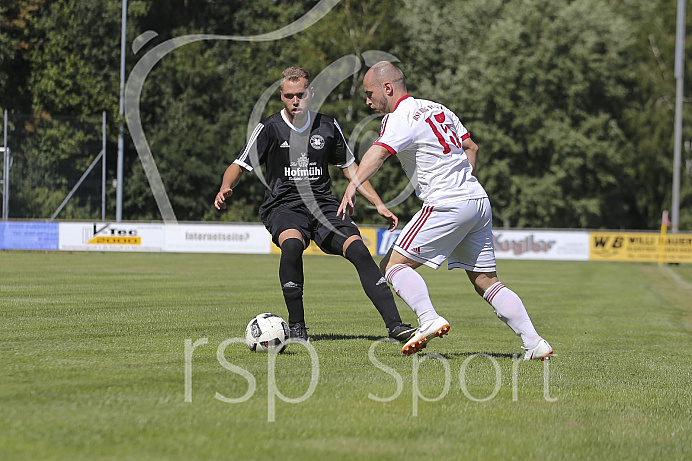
x=296, y=146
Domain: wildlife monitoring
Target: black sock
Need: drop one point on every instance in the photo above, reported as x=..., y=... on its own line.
x=291, y=278
x=374, y=284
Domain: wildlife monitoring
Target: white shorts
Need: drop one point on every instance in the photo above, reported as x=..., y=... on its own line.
x=460, y=232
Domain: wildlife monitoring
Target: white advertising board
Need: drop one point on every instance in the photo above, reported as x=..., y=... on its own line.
x=537, y=244
x=111, y=237
x=254, y=239
x=217, y=238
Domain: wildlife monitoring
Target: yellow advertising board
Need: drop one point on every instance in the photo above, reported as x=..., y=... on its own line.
x=369, y=238
x=639, y=247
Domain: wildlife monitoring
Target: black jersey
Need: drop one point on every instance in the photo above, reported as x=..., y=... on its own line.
x=296, y=159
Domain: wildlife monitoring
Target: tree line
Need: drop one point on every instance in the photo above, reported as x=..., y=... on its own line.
x=570, y=101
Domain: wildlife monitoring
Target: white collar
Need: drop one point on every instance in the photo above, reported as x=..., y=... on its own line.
x=307, y=125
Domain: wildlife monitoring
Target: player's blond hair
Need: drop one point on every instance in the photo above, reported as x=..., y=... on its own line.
x=294, y=74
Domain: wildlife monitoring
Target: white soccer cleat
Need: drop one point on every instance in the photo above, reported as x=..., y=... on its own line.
x=542, y=351
x=432, y=329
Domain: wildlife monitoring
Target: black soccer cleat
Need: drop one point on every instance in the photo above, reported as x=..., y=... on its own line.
x=402, y=332
x=298, y=332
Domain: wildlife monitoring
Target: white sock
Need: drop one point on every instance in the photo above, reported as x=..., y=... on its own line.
x=410, y=286
x=511, y=310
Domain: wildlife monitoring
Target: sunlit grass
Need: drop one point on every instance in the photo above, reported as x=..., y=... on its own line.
x=93, y=364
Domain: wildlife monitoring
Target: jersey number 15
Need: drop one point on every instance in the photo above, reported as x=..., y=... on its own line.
x=439, y=127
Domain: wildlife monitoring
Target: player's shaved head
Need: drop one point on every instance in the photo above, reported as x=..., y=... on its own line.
x=384, y=85
x=385, y=71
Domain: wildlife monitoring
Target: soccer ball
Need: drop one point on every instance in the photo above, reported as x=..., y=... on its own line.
x=267, y=332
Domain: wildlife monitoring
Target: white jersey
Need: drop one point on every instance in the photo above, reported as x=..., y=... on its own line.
x=426, y=138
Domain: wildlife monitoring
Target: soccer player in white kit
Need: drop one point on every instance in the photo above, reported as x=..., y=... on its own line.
x=455, y=223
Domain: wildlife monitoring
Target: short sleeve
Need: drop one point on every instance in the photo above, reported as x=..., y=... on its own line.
x=342, y=156
x=395, y=134
x=462, y=132
x=255, y=151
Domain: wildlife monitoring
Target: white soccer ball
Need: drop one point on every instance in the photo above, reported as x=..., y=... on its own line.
x=267, y=332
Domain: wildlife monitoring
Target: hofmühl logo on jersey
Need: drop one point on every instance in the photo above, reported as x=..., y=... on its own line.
x=316, y=141
x=108, y=235
x=302, y=169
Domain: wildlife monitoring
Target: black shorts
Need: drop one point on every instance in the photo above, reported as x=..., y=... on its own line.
x=328, y=231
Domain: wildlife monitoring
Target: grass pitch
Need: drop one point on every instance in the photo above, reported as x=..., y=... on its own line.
x=94, y=364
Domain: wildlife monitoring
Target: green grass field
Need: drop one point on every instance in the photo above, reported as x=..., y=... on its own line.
x=93, y=364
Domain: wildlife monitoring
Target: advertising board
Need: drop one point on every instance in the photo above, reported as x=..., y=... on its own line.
x=108, y=236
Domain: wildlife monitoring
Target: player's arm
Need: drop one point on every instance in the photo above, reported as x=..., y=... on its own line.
x=371, y=162
x=365, y=189
x=250, y=157
x=470, y=147
x=231, y=177
x=471, y=150
x=369, y=193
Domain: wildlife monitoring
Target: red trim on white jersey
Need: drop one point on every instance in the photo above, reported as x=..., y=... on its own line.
x=389, y=148
x=402, y=98
x=383, y=124
x=426, y=138
x=466, y=136
x=408, y=238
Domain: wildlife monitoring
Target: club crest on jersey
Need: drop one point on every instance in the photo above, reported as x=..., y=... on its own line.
x=303, y=161
x=317, y=141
